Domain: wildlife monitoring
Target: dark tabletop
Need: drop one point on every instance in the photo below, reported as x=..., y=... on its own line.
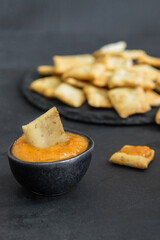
x=111, y=202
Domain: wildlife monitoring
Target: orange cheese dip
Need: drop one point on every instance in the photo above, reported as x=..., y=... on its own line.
x=61, y=151
x=143, y=151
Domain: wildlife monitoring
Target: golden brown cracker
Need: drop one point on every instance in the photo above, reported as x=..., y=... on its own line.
x=45, y=70
x=97, y=97
x=45, y=131
x=85, y=72
x=64, y=63
x=133, y=160
x=70, y=95
x=129, y=101
x=46, y=86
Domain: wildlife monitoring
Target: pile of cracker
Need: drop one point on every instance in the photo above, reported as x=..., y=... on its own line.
x=111, y=77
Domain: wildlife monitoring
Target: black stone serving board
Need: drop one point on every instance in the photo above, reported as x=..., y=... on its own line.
x=85, y=113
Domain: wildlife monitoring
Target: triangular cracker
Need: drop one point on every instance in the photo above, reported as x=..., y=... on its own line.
x=46, y=130
x=129, y=101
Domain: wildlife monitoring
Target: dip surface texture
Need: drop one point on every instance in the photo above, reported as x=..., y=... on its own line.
x=143, y=151
x=73, y=147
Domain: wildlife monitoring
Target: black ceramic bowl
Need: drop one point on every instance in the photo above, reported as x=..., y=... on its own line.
x=52, y=178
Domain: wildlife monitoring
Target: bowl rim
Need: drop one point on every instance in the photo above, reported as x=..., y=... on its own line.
x=72, y=159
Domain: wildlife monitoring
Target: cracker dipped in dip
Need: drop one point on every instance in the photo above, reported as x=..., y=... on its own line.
x=44, y=140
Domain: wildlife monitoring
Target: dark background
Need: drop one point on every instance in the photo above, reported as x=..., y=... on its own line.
x=110, y=202
x=106, y=17
x=32, y=31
